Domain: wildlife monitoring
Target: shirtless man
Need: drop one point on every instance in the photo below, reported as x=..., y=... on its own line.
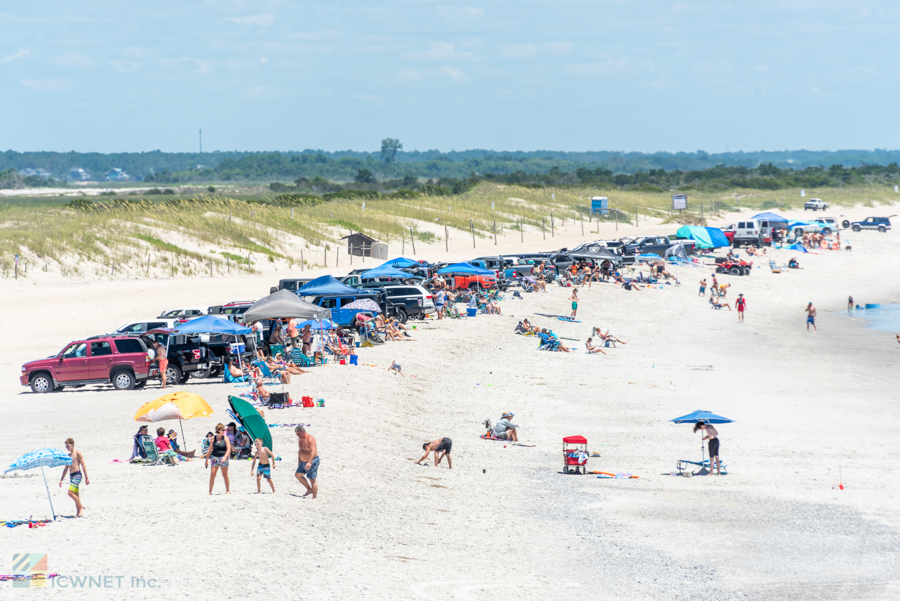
x=262, y=394
x=308, y=461
x=75, y=471
x=441, y=448
x=811, y=318
x=163, y=361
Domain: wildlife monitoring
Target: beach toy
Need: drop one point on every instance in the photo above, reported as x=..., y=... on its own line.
x=343, y=362
x=320, y=402
x=353, y=360
x=471, y=312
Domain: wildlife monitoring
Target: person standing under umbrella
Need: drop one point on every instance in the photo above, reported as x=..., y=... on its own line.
x=712, y=435
x=77, y=470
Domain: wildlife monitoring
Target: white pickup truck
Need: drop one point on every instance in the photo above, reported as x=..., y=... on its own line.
x=815, y=204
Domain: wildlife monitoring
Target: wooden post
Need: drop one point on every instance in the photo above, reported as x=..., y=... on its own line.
x=521, y=230
x=552, y=233
x=210, y=267
x=351, y=254
x=543, y=229
x=301, y=259
x=403, y=239
x=472, y=227
x=148, y=265
x=446, y=239
x=495, y=233
x=229, y=217
x=292, y=213
x=412, y=240
x=582, y=224
x=337, y=256
x=325, y=254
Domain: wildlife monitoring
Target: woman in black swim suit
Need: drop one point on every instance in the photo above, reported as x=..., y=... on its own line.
x=220, y=452
x=441, y=448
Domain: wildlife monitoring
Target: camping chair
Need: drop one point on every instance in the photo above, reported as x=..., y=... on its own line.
x=153, y=456
x=276, y=349
x=229, y=379
x=683, y=465
x=299, y=358
x=267, y=375
x=548, y=343
x=714, y=305
x=452, y=311
x=278, y=400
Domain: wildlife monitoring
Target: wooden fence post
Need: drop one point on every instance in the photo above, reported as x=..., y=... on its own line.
x=446, y=239
x=412, y=240
x=552, y=233
x=543, y=228
x=495, y=233
x=472, y=227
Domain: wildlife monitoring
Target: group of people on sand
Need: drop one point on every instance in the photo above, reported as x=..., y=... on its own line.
x=221, y=449
x=818, y=241
x=390, y=327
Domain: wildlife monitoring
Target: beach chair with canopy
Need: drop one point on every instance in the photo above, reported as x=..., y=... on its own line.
x=575, y=455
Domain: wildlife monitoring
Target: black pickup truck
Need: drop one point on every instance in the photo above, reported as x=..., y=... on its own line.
x=195, y=355
x=657, y=245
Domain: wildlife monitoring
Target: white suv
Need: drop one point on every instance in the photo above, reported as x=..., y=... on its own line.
x=815, y=204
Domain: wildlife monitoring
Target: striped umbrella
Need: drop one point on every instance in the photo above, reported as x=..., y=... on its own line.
x=41, y=458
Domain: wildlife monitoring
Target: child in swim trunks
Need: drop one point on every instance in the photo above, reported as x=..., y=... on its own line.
x=266, y=465
x=77, y=471
x=396, y=368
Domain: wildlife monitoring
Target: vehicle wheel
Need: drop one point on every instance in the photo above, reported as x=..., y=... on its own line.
x=856, y=228
x=173, y=374
x=402, y=316
x=214, y=371
x=798, y=231
x=140, y=384
x=123, y=380
x=826, y=230
x=735, y=271
x=805, y=208
x=720, y=269
x=184, y=378
x=882, y=229
x=845, y=224
x=42, y=383
x=747, y=271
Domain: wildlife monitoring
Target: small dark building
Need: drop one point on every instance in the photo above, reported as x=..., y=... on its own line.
x=359, y=244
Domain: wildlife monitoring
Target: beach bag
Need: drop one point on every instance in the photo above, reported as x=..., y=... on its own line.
x=308, y=401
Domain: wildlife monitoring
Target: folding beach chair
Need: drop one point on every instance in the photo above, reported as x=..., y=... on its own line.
x=268, y=376
x=714, y=305
x=299, y=358
x=153, y=456
x=683, y=465
x=548, y=343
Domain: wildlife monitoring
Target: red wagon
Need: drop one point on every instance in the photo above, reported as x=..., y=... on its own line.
x=575, y=454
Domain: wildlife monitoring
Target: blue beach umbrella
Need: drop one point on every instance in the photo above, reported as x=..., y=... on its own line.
x=322, y=324
x=701, y=416
x=41, y=458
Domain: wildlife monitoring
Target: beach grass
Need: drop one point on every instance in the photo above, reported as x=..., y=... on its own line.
x=179, y=234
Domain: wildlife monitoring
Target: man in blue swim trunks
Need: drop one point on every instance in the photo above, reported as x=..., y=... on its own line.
x=811, y=318
x=308, y=459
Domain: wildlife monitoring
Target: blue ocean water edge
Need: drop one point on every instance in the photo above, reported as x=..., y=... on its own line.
x=880, y=317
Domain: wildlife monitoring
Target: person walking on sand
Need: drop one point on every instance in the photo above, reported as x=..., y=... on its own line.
x=163, y=361
x=266, y=465
x=308, y=461
x=712, y=435
x=77, y=470
x=850, y=304
x=703, y=287
x=219, y=451
x=574, y=299
x=441, y=448
x=811, y=318
x=741, y=305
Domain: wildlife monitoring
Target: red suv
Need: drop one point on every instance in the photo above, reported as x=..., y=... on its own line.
x=118, y=360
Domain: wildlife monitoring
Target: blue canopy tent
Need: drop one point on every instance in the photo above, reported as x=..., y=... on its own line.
x=210, y=324
x=703, y=237
x=385, y=271
x=463, y=269
x=400, y=263
x=326, y=286
x=322, y=324
x=770, y=217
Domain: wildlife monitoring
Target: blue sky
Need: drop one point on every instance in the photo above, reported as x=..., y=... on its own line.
x=568, y=75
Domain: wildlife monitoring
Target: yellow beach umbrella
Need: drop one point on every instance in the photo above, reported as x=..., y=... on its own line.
x=175, y=405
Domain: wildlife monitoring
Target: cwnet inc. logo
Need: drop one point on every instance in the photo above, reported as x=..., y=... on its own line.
x=31, y=570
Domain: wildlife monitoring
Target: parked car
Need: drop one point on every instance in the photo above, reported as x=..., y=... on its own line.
x=815, y=204
x=345, y=317
x=112, y=359
x=828, y=224
x=882, y=224
x=194, y=355
x=410, y=299
x=292, y=284
x=137, y=327
x=657, y=245
x=522, y=266
x=232, y=310
x=185, y=312
x=751, y=231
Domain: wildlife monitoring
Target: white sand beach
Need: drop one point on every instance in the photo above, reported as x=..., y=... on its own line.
x=504, y=522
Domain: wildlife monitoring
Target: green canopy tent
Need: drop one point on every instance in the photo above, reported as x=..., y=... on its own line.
x=251, y=420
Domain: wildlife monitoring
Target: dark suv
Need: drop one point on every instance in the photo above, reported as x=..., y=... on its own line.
x=882, y=224
x=114, y=359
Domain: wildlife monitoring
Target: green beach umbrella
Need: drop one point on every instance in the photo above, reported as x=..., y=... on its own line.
x=251, y=420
